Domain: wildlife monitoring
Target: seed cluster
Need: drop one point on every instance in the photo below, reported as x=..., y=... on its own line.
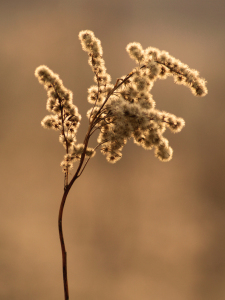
x=64, y=118
x=121, y=111
x=128, y=111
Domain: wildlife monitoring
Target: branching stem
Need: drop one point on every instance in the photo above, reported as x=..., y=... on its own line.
x=79, y=171
x=63, y=201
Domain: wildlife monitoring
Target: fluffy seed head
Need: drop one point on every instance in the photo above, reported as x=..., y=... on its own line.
x=90, y=43
x=135, y=51
x=121, y=111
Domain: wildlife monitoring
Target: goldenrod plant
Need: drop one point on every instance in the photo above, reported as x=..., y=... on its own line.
x=119, y=111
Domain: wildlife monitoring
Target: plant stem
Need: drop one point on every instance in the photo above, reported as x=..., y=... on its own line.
x=79, y=171
x=64, y=258
x=65, y=194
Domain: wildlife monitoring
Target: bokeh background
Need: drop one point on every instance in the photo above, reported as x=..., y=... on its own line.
x=139, y=229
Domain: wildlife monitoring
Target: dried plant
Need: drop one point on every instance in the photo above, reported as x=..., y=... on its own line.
x=119, y=111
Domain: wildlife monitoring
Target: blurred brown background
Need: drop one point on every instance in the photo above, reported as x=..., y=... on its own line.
x=139, y=229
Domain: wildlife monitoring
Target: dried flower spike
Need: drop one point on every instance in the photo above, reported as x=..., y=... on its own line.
x=121, y=111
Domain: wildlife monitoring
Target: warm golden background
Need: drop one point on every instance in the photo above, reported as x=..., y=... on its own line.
x=137, y=230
